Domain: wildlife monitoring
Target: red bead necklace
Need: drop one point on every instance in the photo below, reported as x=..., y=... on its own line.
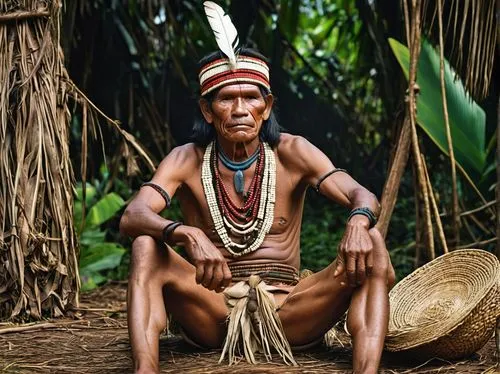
x=248, y=211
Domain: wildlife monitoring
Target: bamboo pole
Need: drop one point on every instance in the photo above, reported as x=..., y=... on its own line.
x=435, y=209
x=415, y=52
x=391, y=187
x=400, y=160
x=454, y=207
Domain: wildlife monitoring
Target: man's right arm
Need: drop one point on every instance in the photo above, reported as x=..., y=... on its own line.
x=141, y=217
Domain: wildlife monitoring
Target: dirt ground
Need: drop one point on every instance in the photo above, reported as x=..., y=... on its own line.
x=96, y=341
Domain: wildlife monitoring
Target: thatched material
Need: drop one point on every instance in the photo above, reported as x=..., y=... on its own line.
x=254, y=325
x=97, y=342
x=38, y=250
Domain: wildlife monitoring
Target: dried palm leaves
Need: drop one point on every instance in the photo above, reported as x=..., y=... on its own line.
x=38, y=250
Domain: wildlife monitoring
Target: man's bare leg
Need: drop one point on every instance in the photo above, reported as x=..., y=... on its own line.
x=145, y=309
x=322, y=299
x=368, y=315
x=159, y=276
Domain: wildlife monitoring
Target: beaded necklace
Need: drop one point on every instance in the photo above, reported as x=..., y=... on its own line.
x=238, y=168
x=248, y=224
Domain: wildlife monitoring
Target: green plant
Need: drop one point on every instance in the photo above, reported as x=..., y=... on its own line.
x=467, y=119
x=96, y=254
x=322, y=229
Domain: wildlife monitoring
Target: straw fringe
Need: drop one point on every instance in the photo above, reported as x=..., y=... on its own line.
x=254, y=331
x=38, y=247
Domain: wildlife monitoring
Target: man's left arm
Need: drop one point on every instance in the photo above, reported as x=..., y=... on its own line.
x=355, y=249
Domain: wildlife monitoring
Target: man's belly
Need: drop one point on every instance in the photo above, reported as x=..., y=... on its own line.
x=282, y=253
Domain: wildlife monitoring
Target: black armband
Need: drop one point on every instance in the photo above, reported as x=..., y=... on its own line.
x=168, y=229
x=367, y=212
x=160, y=190
x=323, y=177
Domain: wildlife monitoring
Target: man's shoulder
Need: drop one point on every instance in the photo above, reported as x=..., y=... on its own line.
x=186, y=152
x=186, y=156
x=291, y=148
x=298, y=154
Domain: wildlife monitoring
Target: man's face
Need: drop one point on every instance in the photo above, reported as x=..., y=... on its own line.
x=237, y=112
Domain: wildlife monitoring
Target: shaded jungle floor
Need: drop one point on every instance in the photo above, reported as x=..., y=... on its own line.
x=96, y=341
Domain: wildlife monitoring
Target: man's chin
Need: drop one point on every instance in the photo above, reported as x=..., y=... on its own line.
x=240, y=137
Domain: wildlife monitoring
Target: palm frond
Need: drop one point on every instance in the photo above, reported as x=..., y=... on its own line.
x=470, y=39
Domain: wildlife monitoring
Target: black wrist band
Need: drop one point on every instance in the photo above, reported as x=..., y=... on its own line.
x=367, y=212
x=167, y=231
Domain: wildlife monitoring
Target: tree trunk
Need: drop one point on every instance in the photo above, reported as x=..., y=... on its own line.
x=38, y=250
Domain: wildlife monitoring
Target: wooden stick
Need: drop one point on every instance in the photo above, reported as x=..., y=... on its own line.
x=22, y=15
x=416, y=6
x=454, y=205
x=99, y=310
x=475, y=210
x=483, y=242
x=435, y=209
x=393, y=181
x=38, y=326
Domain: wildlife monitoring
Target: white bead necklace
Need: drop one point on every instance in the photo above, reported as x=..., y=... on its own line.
x=265, y=215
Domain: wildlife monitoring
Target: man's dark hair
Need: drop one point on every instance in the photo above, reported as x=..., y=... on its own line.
x=203, y=133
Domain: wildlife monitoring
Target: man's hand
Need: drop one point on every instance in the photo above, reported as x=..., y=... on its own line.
x=211, y=267
x=355, y=251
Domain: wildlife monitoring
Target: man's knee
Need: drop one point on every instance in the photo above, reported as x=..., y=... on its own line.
x=382, y=264
x=391, y=277
x=144, y=258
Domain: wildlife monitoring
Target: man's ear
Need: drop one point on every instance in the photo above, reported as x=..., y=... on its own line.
x=206, y=110
x=269, y=99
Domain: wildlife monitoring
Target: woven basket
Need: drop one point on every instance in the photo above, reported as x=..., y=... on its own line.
x=447, y=308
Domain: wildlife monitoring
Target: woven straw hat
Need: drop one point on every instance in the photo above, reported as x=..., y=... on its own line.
x=447, y=308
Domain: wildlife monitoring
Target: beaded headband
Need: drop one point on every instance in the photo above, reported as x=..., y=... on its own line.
x=234, y=68
x=248, y=69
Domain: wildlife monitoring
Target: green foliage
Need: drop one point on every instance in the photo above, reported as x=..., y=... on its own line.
x=467, y=119
x=322, y=228
x=324, y=224
x=332, y=71
x=96, y=255
x=401, y=236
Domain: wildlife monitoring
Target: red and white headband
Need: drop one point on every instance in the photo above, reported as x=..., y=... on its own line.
x=236, y=68
x=218, y=73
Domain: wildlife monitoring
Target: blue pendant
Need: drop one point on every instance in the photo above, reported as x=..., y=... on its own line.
x=239, y=182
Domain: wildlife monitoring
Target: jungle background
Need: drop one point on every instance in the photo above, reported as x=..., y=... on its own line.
x=339, y=71
x=337, y=83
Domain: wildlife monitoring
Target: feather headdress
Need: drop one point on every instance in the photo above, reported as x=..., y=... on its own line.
x=225, y=33
x=235, y=67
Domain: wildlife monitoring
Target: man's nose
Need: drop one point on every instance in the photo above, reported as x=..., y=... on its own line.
x=239, y=107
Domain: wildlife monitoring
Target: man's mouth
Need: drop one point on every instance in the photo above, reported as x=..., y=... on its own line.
x=239, y=125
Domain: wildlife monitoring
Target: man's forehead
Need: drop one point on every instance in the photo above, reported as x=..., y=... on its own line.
x=239, y=87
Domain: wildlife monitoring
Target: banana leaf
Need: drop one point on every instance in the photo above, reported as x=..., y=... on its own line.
x=104, y=209
x=96, y=258
x=467, y=118
x=101, y=256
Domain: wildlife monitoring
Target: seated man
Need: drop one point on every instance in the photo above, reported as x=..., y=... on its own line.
x=241, y=186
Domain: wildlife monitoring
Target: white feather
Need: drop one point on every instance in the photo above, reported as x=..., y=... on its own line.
x=225, y=33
